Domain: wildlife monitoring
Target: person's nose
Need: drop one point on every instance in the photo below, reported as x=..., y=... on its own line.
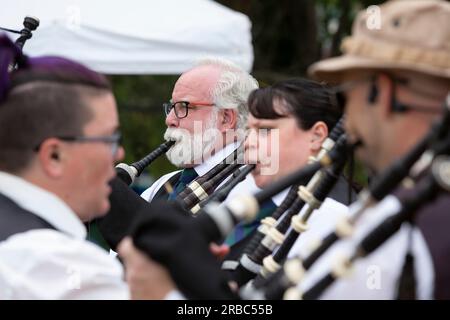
x=171, y=120
x=251, y=141
x=251, y=147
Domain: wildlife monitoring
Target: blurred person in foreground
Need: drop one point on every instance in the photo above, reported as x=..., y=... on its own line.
x=59, y=140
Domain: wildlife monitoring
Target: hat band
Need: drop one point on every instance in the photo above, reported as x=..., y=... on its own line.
x=395, y=53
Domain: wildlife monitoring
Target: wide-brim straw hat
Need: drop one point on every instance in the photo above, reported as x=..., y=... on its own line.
x=400, y=35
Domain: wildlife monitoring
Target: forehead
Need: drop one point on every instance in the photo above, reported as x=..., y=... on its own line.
x=104, y=111
x=352, y=83
x=259, y=123
x=196, y=83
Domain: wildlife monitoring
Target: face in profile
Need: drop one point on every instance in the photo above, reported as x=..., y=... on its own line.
x=277, y=147
x=362, y=124
x=90, y=165
x=192, y=148
x=195, y=130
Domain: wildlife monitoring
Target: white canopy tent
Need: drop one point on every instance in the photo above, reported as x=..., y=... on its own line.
x=134, y=36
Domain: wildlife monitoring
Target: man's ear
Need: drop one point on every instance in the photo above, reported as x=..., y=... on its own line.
x=229, y=119
x=51, y=156
x=319, y=132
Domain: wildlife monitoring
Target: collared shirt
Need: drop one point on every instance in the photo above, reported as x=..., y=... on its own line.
x=321, y=221
x=201, y=169
x=54, y=264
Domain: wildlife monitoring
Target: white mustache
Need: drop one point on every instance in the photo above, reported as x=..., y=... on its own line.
x=188, y=147
x=176, y=134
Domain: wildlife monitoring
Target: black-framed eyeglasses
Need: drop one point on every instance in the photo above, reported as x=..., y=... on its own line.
x=181, y=107
x=114, y=140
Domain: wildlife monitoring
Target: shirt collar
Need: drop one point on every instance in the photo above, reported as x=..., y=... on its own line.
x=42, y=203
x=279, y=198
x=212, y=161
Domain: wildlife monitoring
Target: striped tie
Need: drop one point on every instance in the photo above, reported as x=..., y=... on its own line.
x=187, y=175
x=243, y=229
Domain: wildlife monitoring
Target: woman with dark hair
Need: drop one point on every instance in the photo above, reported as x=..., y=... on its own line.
x=287, y=124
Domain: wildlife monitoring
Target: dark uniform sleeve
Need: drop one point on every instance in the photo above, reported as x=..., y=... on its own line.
x=125, y=203
x=172, y=238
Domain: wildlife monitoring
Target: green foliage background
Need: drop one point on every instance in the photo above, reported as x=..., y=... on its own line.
x=140, y=100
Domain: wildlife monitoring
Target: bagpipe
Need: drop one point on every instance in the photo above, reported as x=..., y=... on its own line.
x=30, y=24
x=205, y=189
x=217, y=219
x=11, y=55
x=216, y=184
x=216, y=170
x=227, y=174
x=426, y=164
x=125, y=203
x=271, y=232
x=183, y=238
x=221, y=193
x=128, y=173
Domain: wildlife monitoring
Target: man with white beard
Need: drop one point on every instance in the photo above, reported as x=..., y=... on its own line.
x=206, y=117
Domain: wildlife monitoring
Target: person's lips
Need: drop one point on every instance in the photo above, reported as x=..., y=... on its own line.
x=251, y=157
x=257, y=169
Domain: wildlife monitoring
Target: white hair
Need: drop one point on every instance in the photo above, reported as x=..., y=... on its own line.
x=232, y=89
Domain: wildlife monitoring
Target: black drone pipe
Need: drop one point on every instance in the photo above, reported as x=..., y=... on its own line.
x=128, y=173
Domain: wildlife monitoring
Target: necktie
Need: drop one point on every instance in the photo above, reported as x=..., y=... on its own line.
x=187, y=175
x=243, y=229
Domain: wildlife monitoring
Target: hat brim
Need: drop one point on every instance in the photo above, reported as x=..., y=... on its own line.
x=333, y=70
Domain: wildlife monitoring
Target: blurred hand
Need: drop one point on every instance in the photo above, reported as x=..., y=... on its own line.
x=220, y=251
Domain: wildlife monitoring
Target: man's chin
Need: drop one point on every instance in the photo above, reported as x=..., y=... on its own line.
x=95, y=211
x=366, y=159
x=104, y=208
x=185, y=163
x=261, y=181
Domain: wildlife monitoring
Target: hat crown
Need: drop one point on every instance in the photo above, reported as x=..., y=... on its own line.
x=399, y=35
x=422, y=24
